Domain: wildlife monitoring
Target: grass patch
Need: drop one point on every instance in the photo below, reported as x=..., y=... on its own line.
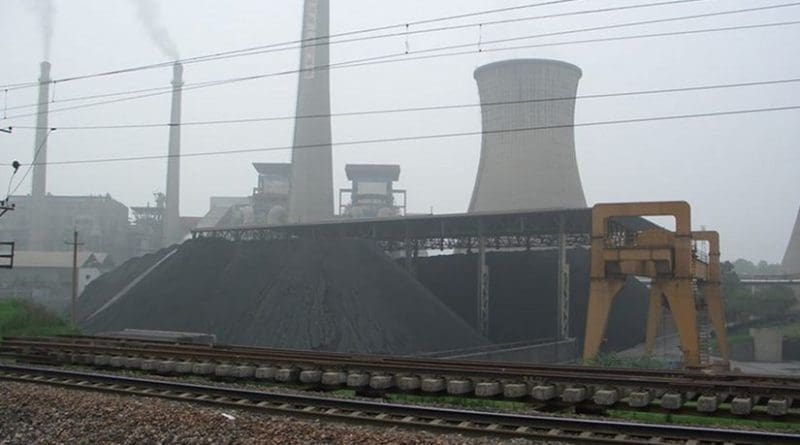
x=23, y=318
x=615, y=361
x=720, y=422
x=463, y=402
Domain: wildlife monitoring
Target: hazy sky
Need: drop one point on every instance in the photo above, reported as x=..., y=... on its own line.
x=738, y=172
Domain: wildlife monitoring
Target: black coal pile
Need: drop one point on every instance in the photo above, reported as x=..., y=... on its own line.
x=106, y=286
x=343, y=295
x=522, y=295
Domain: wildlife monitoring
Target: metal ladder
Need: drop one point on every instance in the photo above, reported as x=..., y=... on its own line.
x=703, y=325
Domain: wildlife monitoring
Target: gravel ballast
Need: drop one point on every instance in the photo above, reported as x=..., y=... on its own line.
x=34, y=414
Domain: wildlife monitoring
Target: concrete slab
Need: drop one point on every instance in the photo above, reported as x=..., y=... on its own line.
x=357, y=380
x=287, y=375
x=742, y=406
x=266, y=372
x=381, y=381
x=639, y=399
x=433, y=384
x=204, y=368
x=223, y=370
x=778, y=406
x=149, y=365
x=311, y=376
x=409, y=383
x=458, y=387
x=488, y=389
x=244, y=371
x=515, y=390
x=544, y=392
x=86, y=359
x=672, y=400
x=165, y=366
x=117, y=361
x=334, y=378
x=184, y=367
x=606, y=397
x=707, y=404
x=133, y=362
x=574, y=395
x=102, y=360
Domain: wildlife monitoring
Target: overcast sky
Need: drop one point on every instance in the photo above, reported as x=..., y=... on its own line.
x=738, y=172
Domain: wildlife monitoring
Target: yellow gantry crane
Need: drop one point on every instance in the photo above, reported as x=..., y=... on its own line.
x=669, y=260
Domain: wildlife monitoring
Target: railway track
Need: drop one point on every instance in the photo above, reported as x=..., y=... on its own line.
x=730, y=394
x=549, y=428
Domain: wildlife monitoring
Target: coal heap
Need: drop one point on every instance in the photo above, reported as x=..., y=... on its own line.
x=522, y=295
x=329, y=295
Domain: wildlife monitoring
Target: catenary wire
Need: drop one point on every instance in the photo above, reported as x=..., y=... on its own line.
x=294, y=42
x=32, y=164
x=425, y=137
x=401, y=57
x=420, y=109
x=261, y=50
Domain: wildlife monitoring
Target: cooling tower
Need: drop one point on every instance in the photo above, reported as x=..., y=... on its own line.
x=311, y=186
x=39, y=179
x=791, y=259
x=172, y=223
x=530, y=169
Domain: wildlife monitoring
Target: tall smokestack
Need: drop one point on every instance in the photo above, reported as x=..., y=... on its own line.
x=172, y=224
x=39, y=181
x=534, y=169
x=791, y=259
x=39, y=178
x=311, y=186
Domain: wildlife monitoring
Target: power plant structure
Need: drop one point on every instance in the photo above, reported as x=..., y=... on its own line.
x=39, y=179
x=372, y=194
x=311, y=185
x=173, y=232
x=527, y=157
x=791, y=259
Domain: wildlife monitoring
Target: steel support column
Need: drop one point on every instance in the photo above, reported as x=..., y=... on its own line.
x=562, y=299
x=483, y=288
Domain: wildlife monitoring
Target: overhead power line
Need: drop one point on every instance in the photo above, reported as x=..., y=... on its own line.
x=295, y=42
x=424, y=137
x=401, y=57
x=423, y=109
x=270, y=48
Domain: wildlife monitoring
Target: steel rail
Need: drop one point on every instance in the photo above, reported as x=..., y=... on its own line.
x=537, y=427
x=687, y=381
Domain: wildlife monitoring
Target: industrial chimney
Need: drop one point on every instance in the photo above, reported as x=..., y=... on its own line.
x=529, y=169
x=311, y=185
x=39, y=179
x=791, y=259
x=172, y=224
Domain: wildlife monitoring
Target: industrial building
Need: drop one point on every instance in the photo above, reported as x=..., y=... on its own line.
x=527, y=157
x=372, y=194
x=44, y=224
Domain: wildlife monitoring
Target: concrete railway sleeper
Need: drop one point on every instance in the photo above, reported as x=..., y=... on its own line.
x=727, y=394
x=560, y=429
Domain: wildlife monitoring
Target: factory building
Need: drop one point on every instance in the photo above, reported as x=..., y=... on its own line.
x=101, y=221
x=527, y=157
x=372, y=194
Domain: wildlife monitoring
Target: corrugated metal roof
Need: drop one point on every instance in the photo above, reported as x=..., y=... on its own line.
x=58, y=260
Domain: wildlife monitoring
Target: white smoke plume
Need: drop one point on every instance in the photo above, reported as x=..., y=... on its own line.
x=148, y=14
x=45, y=10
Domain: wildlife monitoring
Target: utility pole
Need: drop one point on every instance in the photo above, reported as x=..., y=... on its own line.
x=74, y=245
